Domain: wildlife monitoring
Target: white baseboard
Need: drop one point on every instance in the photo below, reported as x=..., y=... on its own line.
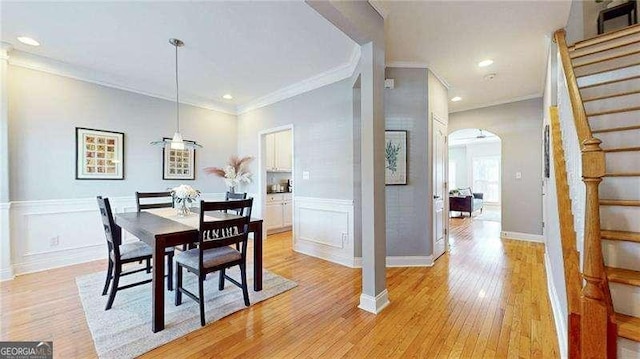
x=331, y=257
x=559, y=319
x=538, y=238
x=62, y=258
x=374, y=304
x=400, y=261
x=6, y=274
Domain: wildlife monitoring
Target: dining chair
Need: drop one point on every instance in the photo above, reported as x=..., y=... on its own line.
x=214, y=252
x=120, y=254
x=235, y=196
x=143, y=195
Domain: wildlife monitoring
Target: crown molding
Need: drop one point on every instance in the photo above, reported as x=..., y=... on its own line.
x=379, y=8
x=322, y=79
x=48, y=65
x=501, y=102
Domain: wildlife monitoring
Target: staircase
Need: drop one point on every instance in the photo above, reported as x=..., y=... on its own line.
x=607, y=72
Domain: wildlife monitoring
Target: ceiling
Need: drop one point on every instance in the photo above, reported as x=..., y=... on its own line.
x=451, y=37
x=470, y=136
x=246, y=49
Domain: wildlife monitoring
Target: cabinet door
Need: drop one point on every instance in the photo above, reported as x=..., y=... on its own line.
x=270, y=140
x=273, y=217
x=287, y=213
x=283, y=151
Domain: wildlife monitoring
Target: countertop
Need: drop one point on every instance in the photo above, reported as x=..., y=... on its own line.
x=277, y=192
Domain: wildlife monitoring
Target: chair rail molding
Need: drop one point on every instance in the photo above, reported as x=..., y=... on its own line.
x=44, y=234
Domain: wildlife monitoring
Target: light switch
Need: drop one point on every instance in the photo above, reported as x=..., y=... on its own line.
x=305, y=175
x=518, y=175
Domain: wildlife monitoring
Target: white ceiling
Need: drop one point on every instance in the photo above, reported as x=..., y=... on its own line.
x=247, y=49
x=451, y=37
x=470, y=136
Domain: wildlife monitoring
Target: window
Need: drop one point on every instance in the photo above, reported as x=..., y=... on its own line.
x=486, y=177
x=452, y=175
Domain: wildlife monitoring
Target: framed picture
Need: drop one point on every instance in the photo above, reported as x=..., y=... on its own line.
x=99, y=154
x=178, y=164
x=547, y=155
x=395, y=153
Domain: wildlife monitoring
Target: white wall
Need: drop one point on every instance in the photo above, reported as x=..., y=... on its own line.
x=458, y=155
x=463, y=156
x=519, y=126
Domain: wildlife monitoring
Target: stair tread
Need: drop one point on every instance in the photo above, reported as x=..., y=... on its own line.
x=619, y=202
x=604, y=59
x=610, y=82
x=619, y=94
x=608, y=112
x=624, y=276
x=609, y=70
x=573, y=55
x=625, y=31
x=617, y=129
x=622, y=174
x=622, y=149
x=628, y=327
x=620, y=235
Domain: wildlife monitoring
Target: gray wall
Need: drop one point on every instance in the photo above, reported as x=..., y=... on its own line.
x=44, y=110
x=322, y=121
x=519, y=126
x=406, y=109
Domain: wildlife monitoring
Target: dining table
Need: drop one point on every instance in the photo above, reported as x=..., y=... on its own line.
x=163, y=227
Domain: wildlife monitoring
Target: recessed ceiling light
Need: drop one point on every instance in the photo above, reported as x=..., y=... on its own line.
x=485, y=63
x=227, y=97
x=28, y=41
x=456, y=99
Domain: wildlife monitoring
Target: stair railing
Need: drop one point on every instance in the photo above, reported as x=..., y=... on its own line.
x=596, y=309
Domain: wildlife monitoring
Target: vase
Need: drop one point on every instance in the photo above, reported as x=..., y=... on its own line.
x=232, y=190
x=182, y=209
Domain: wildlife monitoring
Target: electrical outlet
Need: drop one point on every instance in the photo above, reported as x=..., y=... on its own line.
x=54, y=241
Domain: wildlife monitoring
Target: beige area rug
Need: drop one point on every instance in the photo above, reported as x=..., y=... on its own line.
x=124, y=331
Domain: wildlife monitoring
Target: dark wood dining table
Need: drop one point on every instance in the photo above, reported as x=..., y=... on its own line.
x=161, y=232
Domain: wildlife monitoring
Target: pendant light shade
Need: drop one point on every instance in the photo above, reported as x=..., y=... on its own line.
x=177, y=143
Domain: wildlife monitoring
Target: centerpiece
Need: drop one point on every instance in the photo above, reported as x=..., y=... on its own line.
x=183, y=196
x=234, y=173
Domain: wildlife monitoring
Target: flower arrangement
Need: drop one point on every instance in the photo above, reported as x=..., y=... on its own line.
x=182, y=195
x=234, y=173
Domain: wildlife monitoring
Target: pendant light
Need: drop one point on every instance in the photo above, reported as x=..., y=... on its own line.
x=177, y=143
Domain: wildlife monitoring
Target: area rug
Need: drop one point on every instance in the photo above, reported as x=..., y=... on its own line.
x=493, y=216
x=124, y=331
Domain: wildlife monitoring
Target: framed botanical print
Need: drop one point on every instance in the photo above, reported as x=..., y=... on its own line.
x=99, y=154
x=178, y=164
x=395, y=157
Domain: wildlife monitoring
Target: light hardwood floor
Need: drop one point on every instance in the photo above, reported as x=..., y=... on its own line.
x=487, y=297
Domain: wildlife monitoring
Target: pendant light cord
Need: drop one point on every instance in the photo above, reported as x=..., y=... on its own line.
x=177, y=92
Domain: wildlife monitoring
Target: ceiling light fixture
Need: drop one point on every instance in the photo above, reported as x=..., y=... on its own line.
x=28, y=41
x=481, y=135
x=456, y=99
x=485, y=63
x=227, y=97
x=177, y=143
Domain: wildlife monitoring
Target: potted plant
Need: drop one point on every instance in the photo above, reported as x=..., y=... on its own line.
x=234, y=173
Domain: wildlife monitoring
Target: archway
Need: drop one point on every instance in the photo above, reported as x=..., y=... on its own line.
x=475, y=180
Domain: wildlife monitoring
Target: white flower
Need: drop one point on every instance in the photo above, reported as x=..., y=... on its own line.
x=185, y=192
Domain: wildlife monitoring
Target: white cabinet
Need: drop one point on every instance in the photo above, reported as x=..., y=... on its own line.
x=279, y=215
x=279, y=154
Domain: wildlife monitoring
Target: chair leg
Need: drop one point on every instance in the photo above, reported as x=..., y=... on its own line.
x=114, y=287
x=148, y=265
x=221, y=282
x=108, y=279
x=245, y=291
x=178, y=284
x=201, y=298
x=170, y=269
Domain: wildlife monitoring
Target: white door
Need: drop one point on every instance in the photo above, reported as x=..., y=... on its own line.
x=439, y=189
x=283, y=151
x=270, y=140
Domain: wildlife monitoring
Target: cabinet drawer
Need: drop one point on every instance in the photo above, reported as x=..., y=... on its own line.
x=274, y=197
x=287, y=197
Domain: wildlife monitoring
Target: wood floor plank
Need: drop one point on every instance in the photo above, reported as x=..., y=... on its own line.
x=486, y=297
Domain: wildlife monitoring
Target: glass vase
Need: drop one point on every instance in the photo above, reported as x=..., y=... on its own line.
x=183, y=209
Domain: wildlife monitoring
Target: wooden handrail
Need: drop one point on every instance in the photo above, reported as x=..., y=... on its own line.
x=596, y=310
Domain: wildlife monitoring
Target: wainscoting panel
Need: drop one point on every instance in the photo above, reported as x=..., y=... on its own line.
x=323, y=228
x=55, y=233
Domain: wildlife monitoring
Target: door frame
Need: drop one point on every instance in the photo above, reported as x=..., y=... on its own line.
x=445, y=178
x=262, y=174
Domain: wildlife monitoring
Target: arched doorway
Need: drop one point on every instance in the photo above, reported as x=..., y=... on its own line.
x=475, y=180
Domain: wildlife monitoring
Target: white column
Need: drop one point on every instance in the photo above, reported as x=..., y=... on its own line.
x=6, y=268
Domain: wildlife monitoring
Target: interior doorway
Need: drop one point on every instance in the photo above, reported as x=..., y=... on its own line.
x=475, y=175
x=276, y=179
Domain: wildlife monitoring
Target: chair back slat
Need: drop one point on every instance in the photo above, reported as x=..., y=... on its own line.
x=230, y=229
x=235, y=196
x=143, y=195
x=112, y=232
